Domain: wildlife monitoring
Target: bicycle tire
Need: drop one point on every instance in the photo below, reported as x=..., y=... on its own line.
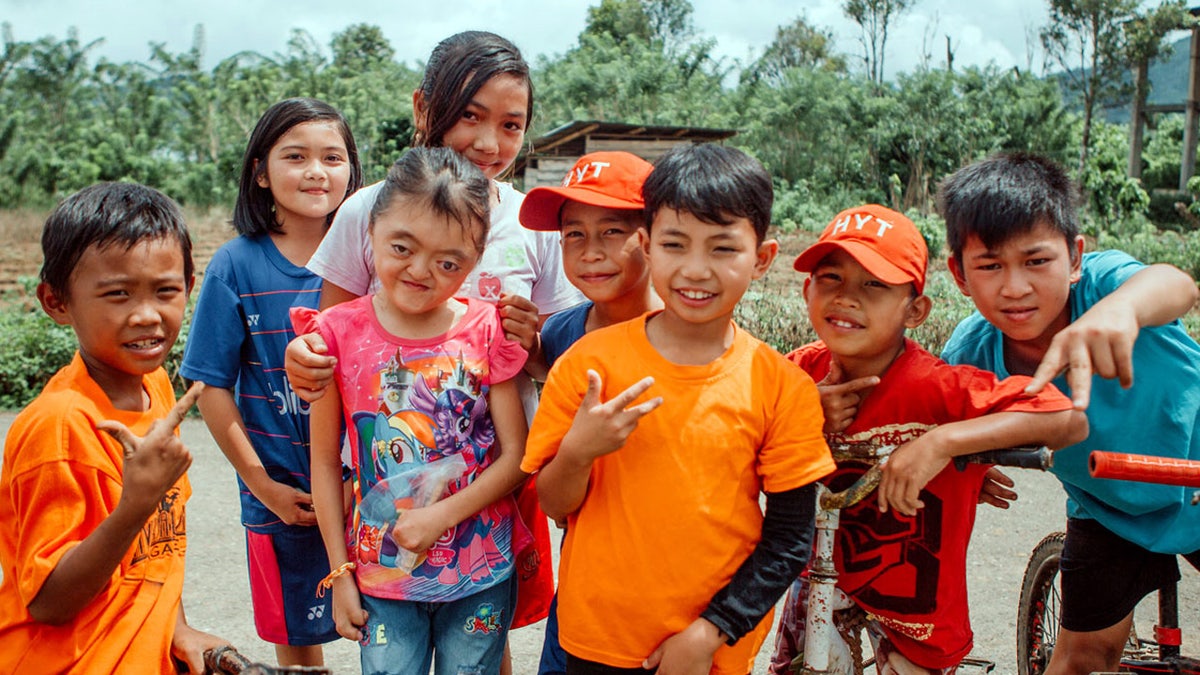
x=1039, y=607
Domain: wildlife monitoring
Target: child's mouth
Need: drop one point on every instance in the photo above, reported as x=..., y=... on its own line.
x=145, y=344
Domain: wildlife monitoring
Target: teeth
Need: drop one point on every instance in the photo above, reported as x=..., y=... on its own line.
x=145, y=344
x=695, y=295
x=842, y=324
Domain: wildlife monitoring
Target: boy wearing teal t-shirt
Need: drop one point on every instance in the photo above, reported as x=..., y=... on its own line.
x=1044, y=308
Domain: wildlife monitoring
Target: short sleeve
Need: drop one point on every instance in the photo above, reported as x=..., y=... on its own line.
x=794, y=452
x=344, y=257
x=213, y=351
x=306, y=320
x=981, y=392
x=506, y=357
x=1103, y=273
x=561, y=397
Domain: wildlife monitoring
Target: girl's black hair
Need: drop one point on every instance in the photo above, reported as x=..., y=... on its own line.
x=254, y=212
x=103, y=215
x=1005, y=195
x=457, y=68
x=443, y=181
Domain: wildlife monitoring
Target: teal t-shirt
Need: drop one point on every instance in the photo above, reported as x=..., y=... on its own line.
x=1157, y=416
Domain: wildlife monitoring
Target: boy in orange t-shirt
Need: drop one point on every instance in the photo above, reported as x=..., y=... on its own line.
x=669, y=562
x=92, y=530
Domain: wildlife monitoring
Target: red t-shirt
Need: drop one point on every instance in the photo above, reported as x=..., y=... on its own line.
x=910, y=572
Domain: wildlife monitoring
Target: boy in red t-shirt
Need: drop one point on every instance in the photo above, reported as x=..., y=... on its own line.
x=92, y=529
x=902, y=557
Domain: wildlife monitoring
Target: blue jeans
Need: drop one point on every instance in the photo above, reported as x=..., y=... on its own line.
x=467, y=635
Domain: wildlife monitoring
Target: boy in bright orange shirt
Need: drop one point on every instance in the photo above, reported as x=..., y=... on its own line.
x=669, y=562
x=92, y=529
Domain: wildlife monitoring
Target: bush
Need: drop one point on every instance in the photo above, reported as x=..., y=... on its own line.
x=34, y=348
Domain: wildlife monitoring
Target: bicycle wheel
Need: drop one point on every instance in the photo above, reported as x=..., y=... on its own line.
x=1038, y=611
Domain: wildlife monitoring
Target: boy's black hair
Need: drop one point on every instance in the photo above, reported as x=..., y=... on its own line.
x=254, y=213
x=103, y=215
x=715, y=183
x=1005, y=195
x=443, y=181
x=457, y=68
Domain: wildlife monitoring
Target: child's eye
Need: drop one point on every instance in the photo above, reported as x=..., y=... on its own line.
x=1032, y=262
x=447, y=266
x=513, y=126
x=671, y=245
x=725, y=249
x=335, y=159
x=470, y=115
x=614, y=232
x=400, y=249
x=988, y=267
x=116, y=293
x=828, y=277
x=876, y=284
x=293, y=156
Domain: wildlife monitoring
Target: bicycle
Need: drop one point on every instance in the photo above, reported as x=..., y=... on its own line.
x=228, y=661
x=829, y=608
x=1039, y=607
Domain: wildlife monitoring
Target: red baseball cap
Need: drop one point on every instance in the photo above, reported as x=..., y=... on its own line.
x=612, y=180
x=883, y=241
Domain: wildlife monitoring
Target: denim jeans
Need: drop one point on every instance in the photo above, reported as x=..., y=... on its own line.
x=461, y=637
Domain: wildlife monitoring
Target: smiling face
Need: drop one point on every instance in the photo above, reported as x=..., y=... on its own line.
x=307, y=172
x=860, y=318
x=421, y=258
x=492, y=126
x=602, y=251
x=126, y=306
x=1022, y=286
x=701, y=270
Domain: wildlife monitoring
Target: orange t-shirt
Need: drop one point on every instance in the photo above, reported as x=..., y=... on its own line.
x=61, y=478
x=670, y=516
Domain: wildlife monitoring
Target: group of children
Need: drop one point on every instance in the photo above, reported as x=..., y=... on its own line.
x=391, y=462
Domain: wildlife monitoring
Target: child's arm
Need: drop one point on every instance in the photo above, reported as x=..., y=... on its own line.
x=188, y=644
x=598, y=429
x=1101, y=340
x=915, y=463
x=153, y=464
x=228, y=429
x=418, y=529
x=776, y=561
x=325, y=424
x=309, y=370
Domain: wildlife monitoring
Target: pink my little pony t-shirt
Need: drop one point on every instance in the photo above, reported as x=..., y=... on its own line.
x=412, y=410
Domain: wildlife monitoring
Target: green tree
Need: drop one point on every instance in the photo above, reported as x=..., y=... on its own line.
x=874, y=19
x=796, y=45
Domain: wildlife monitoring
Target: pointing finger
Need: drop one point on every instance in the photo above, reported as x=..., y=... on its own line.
x=857, y=384
x=121, y=433
x=185, y=403
x=630, y=395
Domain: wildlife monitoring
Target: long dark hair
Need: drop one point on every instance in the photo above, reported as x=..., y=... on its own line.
x=253, y=215
x=457, y=68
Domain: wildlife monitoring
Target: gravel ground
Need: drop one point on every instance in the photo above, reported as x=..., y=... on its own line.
x=217, y=598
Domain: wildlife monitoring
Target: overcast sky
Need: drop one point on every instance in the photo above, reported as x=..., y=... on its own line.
x=980, y=32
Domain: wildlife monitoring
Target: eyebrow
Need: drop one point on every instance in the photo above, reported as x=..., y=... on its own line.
x=512, y=113
x=406, y=236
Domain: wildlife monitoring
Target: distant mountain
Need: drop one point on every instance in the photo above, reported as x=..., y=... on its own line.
x=1168, y=82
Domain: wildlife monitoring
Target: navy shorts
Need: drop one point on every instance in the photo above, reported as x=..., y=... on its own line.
x=1104, y=576
x=285, y=568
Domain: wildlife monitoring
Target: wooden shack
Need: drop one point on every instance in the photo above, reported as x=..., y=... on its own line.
x=553, y=154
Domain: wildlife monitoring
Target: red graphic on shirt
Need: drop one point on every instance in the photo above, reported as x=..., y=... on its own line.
x=489, y=286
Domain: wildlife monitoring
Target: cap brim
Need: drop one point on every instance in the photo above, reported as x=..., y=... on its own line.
x=541, y=207
x=869, y=258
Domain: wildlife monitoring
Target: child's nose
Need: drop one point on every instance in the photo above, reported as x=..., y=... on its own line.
x=145, y=313
x=485, y=139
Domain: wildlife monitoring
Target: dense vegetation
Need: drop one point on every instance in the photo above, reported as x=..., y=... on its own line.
x=829, y=126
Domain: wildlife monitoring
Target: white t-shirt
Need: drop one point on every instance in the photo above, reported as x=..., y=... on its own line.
x=520, y=261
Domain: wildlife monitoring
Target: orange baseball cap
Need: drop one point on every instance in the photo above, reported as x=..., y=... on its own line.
x=612, y=180
x=883, y=241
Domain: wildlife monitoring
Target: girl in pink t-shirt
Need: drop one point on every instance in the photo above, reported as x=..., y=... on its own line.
x=436, y=428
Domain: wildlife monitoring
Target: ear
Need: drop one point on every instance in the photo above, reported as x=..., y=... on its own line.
x=918, y=311
x=261, y=178
x=53, y=304
x=191, y=283
x=957, y=272
x=419, y=112
x=1076, y=258
x=764, y=257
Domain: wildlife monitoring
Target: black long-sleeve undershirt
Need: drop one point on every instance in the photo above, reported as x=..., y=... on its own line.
x=776, y=561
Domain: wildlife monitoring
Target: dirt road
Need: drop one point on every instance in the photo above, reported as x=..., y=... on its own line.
x=217, y=597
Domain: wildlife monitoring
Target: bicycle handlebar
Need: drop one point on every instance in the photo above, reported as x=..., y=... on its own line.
x=228, y=661
x=1144, y=468
x=1024, y=458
